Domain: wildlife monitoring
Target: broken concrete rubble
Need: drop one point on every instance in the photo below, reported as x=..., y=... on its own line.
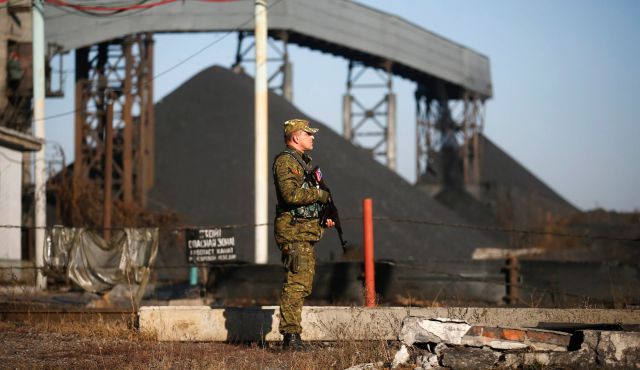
x=512, y=348
x=438, y=330
x=367, y=366
x=401, y=357
x=613, y=348
x=427, y=362
x=516, y=338
x=457, y=357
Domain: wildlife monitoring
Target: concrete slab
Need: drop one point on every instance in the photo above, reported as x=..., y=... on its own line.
x=203, y=323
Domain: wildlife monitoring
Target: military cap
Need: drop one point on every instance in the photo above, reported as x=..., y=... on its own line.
x=296, y=124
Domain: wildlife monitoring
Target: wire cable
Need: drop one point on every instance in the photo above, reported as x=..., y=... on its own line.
x=383, y=219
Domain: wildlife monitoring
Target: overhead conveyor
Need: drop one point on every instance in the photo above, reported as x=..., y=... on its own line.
x=452, y=81
x=339, y=27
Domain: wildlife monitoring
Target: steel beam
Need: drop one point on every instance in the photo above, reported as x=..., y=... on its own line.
x=371, y=125
x=280, y=78
x=446, y=127
x=120, y=71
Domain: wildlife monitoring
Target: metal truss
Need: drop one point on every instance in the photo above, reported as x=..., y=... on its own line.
x=55, y=73
x=371, y=126
x=447, y=135
x=280, y=78
x=116, y=73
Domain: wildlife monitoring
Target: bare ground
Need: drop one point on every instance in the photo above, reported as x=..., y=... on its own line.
x=103, y=345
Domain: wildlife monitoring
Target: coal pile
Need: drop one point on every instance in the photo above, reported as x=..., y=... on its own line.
x=509, y=195
x=204, y=168
x=502, y=174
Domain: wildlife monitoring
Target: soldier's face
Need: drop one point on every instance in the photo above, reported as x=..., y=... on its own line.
x=305, y=140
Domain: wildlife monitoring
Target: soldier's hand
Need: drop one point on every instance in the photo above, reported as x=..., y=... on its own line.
x=323, y=196
x=330, y=223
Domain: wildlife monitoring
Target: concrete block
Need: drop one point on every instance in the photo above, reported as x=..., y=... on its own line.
x=421, y=330
x=548, y=340
x=614, y=348
x=516, y=338
x=495, y=343
x=469, y=358
x=203, y=323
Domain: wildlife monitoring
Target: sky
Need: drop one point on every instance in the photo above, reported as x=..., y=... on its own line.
x=565, y=74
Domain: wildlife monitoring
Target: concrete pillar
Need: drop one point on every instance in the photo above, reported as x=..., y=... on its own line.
x=261, y=176
x=3, y=64
x=39, y=132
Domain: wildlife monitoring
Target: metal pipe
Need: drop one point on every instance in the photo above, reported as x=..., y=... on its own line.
x=79, y=137
x=261, y=135
x=108, y=171
x=151, y=114
x=369, y=273
x=346, y=116
x=39, y=132
x=391, y=131
x=127, y=117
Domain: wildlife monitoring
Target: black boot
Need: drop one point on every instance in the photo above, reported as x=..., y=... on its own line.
x=293, y=342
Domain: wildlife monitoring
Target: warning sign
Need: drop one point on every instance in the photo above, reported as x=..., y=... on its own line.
x=210, y=245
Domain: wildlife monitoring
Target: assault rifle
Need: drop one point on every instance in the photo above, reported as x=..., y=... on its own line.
x=330, y=211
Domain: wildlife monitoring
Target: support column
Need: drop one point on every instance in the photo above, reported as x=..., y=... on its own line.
x=150, y=121
x=280, y=80
x=40, y=175
x=447, y=132
x=391, y=131
x=261, y=176
x=121, y=71
x=346, y=115
x=108, y=172
x=371, y=125
x=127, y=116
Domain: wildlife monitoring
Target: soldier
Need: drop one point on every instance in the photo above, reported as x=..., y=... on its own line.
x=297, y=225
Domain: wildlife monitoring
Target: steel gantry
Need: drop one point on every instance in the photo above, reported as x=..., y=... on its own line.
x=280, y=78
x=371, y=126
x=448, y=146
x=116, y=73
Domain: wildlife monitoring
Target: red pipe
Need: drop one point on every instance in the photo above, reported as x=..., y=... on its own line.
x=369, y=274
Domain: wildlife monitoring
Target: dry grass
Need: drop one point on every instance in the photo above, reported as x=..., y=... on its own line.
x=116, y=345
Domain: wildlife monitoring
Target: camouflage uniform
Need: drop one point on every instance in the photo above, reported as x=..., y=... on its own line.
x=297, y=229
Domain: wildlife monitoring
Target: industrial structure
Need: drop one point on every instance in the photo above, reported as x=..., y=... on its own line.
x=114, y=74
x=452, y=81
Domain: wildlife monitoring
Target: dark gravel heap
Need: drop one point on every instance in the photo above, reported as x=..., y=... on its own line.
x=204, y=169
x=500, y=170
x=509, y=195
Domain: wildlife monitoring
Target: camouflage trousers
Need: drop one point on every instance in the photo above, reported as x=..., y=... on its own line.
x=299, y=261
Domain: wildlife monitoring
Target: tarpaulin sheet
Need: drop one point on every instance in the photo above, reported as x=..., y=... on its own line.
x=97, y=265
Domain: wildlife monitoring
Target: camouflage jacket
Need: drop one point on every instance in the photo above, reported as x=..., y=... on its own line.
x=298, y=206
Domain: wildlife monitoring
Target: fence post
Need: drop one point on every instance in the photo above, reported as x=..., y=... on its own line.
x=512, y=280
x=369, y=274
